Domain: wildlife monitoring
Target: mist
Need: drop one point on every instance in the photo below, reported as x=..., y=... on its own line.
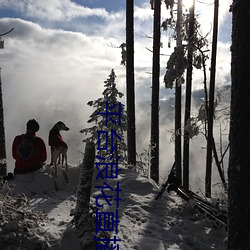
x=51, y=69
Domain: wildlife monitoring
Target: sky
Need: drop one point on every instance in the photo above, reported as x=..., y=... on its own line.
x=61, y=51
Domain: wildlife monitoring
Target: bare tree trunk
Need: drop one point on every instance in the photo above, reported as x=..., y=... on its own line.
x=131, y=130
x=188, y=98
x=154, y=169
x=211, y=102
x=239, y=159
x=81, y=215
x=3, y=161
x=218, y=164
x=178, y=158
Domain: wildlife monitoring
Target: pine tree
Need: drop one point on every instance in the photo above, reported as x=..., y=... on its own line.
x=97, y=135
x=210, y=117
x=191, y=26
x=188, y=53
x=238, y=169
x=154, y=168
x=3, y=164
x=130, y=86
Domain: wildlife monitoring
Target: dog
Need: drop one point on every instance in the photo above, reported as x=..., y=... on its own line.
x=58, y=146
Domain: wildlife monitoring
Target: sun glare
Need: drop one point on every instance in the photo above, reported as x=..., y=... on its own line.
x=188, y=3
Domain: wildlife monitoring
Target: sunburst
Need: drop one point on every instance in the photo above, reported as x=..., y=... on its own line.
x=188, y=3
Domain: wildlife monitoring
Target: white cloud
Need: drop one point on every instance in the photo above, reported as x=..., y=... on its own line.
x=53, y=10
x=50, y=73
x=56, y=66
x=46, y=69
x=143, y=13
x=205, y=12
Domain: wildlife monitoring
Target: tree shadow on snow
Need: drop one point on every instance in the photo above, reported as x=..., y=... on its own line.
x=172, y=225
x=164, y=224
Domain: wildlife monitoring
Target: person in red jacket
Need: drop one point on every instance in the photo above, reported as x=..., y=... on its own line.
x=29, y=150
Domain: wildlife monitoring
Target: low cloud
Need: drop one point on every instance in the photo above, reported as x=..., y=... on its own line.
x=51, y=69
x=56, y=10
x=50, y=75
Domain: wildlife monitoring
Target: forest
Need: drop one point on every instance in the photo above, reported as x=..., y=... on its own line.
x=214, y=118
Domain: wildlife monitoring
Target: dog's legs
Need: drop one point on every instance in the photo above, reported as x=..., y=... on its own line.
x=57, y=152
x=64, y=172
x=59, y=159
x=66, y=161
x=55, y=158
x=63, y=157
x=51, y=156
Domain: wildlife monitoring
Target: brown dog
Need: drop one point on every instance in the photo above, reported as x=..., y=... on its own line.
x=58, y=146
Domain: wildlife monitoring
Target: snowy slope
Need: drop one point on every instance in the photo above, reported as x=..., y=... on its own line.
x=145, y=224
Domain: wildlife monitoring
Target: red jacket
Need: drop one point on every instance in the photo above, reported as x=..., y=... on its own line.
x=37, y=159
x=55, y=139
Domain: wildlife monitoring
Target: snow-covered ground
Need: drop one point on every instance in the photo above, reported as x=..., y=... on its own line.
x=145, y=223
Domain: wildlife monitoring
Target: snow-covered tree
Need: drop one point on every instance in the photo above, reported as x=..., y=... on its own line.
x=101, y=133
x=188, y=53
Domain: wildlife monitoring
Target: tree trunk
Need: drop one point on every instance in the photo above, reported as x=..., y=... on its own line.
x=239, y=159
x=188, y=98
x=178, y=100
x=211, y=102
x=154, y=169
x=3, y=161
x=131, y=131
x=81, y=215
x=218, y=164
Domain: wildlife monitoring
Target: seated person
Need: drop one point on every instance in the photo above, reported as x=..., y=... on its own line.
x=29, y=150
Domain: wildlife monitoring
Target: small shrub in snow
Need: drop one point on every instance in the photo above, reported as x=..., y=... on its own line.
x=20, y=228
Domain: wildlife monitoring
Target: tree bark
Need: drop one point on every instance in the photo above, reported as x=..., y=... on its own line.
x=83, y=193
x=154, y=169
x=211, y=102
x=3, y=161
x=239, y=159
x=218, y=164
x=188, y=97
x=131, y=128
x=178, y=158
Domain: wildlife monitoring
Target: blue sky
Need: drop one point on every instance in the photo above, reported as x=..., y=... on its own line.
x=61, y=52
x=109, y=5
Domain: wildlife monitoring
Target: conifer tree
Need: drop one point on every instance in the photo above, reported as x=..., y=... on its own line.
x=154, y=167
x=189, y=53
x=238, y=169
x=97, y=135
x=3, y=164
x=130, y=86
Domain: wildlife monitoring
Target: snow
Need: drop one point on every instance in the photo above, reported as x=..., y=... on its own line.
x=145, y=223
